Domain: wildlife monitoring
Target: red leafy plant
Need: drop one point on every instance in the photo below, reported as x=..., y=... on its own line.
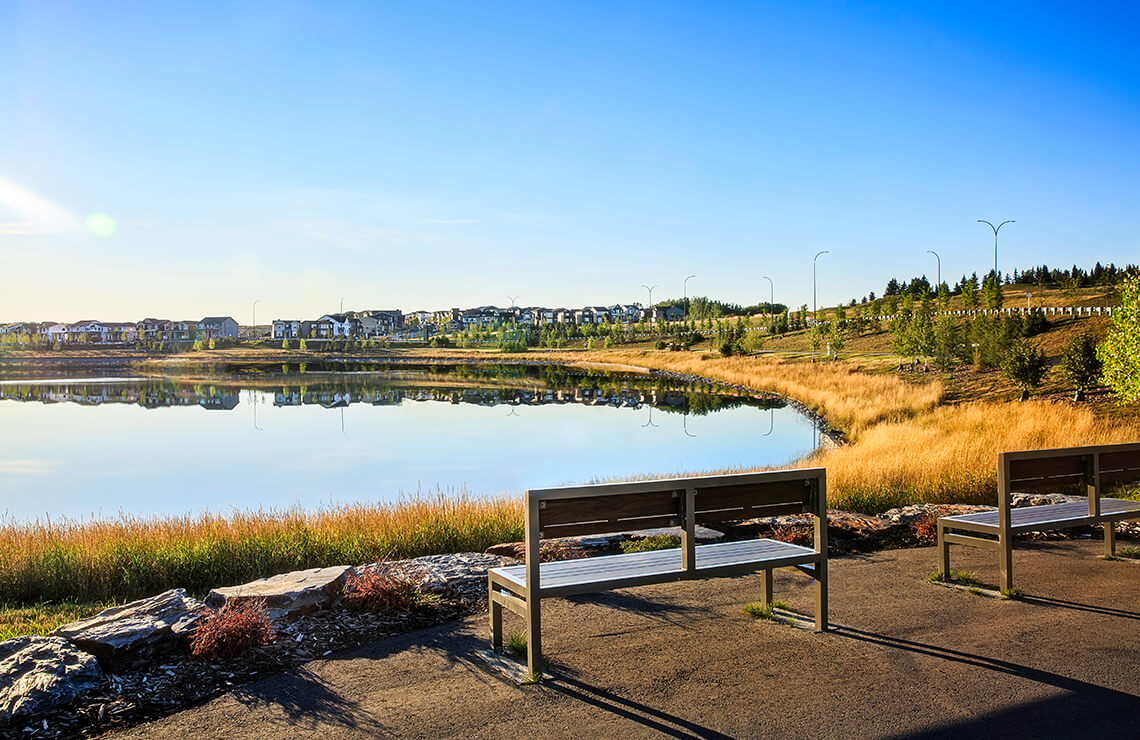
x=794, y=534
x=232, y=630
x=926, y=529
x=379, y=590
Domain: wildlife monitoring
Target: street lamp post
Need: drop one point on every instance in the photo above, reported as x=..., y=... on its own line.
x=814, y=310
x=997, y=275
x=650, y=289
x=685, y=292
x=771, y=295
x=255, y=316
x=938, y=285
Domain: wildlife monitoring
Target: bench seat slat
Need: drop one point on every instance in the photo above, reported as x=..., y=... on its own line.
x=568, y=573
x=1063, y=515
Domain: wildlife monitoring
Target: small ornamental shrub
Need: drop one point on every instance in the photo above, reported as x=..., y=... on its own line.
x=926, y=529
x=793, y=534
x=653, y=542
x=232, y=630
x=553, y=551
x=379, y=591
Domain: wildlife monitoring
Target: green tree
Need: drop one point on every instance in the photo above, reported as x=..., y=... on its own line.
x=992, y=292
x=1081, y=365
x=1120, y=350
x=815, y=337
x=947, y=342
x=837, y=337
x=1025, y=366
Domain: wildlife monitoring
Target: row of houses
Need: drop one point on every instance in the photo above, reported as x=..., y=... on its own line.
x=112, y=332
x=368, y=324
x=364, y=324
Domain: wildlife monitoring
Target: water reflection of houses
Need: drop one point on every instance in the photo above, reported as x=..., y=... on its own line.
x=149, y=395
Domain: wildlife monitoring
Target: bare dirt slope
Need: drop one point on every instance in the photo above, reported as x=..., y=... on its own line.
x=906, y=659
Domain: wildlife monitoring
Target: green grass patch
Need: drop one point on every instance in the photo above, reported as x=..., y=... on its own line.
x=651, y=543
x=41, y=619
x=515, y=645
x=1128, y=552
x=1013, y=594
x=767, y=612
x=964, y=577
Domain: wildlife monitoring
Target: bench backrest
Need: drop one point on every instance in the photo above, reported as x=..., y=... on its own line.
x=1091, y=466
x=674, y=502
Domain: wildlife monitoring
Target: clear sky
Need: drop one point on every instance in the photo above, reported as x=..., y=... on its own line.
x=428, y=155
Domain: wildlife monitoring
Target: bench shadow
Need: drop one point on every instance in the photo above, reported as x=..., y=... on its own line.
x=666, y=724
x=1100, y=709
x=1091, y=608
x=302, y=695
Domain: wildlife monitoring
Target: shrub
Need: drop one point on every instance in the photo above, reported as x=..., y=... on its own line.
x=796, y=534
x=926, y=529
x=653, y=542
x=379, y=591
x=232, y=630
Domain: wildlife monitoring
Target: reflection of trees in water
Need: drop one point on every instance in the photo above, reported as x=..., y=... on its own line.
x=559, y=386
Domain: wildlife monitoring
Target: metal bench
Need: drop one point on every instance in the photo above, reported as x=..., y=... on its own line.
x=1091, y=467
x=684, y=502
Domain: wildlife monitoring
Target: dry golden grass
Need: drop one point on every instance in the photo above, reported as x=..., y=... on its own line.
x=132, y=557
x=950, y=455
x=850, y=399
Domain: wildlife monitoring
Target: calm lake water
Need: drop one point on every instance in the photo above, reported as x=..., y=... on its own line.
x=94, y=447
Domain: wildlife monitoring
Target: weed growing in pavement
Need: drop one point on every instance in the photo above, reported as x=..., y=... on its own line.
x=767, y=612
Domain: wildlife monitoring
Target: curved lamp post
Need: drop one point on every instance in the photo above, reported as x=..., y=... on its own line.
x=997, y=275
x=771, y=295
x=938, y=285
x=814, y=310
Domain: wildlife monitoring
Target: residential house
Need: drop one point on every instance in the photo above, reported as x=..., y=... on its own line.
x=332, y=326
x=218, y=327
x=184, y=331
x=286, y=329
x=152, y=330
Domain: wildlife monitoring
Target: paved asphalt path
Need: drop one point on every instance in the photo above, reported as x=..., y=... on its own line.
x=906, y=659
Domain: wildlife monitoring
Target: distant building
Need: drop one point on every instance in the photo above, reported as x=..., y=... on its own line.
x=217, y=327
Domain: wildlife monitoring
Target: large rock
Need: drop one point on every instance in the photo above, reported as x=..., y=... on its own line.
x=453, y=574
x=299, y=592
x=137, y=631
x=40, y=674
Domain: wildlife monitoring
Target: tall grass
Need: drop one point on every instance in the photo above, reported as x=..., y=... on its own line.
x=950, y=455
x=850, y=399
x=134, y=557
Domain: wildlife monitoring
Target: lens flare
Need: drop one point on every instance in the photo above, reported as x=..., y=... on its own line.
x=100, y=224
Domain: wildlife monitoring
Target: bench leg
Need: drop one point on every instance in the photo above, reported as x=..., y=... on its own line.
x=943, y=552
x=1005, y=563
x=534, y=635
x=766, y=588
x=1109, y=540
x=821, y=595
x=495, y=612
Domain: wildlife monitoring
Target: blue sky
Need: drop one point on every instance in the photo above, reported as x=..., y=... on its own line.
x=427, y=155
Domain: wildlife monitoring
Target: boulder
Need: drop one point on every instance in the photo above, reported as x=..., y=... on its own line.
x=135, y=632
x=299, y=592
x=451, y=574
x=40, y=674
